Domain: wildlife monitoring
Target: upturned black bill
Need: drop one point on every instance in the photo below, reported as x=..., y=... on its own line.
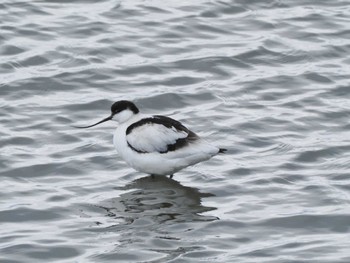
x=106, y=119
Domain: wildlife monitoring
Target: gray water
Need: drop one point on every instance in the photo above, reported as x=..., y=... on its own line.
x=269, y=80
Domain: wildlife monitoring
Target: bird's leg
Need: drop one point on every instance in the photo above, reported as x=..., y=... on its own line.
x=171, y=176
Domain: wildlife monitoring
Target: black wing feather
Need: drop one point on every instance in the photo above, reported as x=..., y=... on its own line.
x=169, y=123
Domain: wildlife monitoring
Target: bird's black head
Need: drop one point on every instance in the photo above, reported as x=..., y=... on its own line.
x=121, y=105
x=121, y=111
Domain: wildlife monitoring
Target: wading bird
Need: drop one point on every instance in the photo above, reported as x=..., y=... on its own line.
x=156, y=145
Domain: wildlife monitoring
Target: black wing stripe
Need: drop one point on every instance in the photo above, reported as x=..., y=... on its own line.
x=166, y=121
x=134, y=149
x=169, y=123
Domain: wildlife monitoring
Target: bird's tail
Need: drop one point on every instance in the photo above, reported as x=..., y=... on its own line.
x=222, y=150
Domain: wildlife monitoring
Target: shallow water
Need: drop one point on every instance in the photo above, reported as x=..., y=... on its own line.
x=269, y=80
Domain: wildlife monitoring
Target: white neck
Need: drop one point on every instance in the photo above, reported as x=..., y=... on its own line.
x=123, y=116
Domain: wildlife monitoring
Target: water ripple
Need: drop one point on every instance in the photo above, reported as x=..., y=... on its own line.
x=268, y=81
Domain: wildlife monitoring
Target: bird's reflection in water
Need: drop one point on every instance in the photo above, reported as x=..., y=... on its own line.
x=158, y=200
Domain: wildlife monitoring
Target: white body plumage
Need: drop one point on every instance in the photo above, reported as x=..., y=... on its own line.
x=155, y=136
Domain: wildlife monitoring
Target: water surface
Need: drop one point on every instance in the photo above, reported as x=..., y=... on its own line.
x=269, y=80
